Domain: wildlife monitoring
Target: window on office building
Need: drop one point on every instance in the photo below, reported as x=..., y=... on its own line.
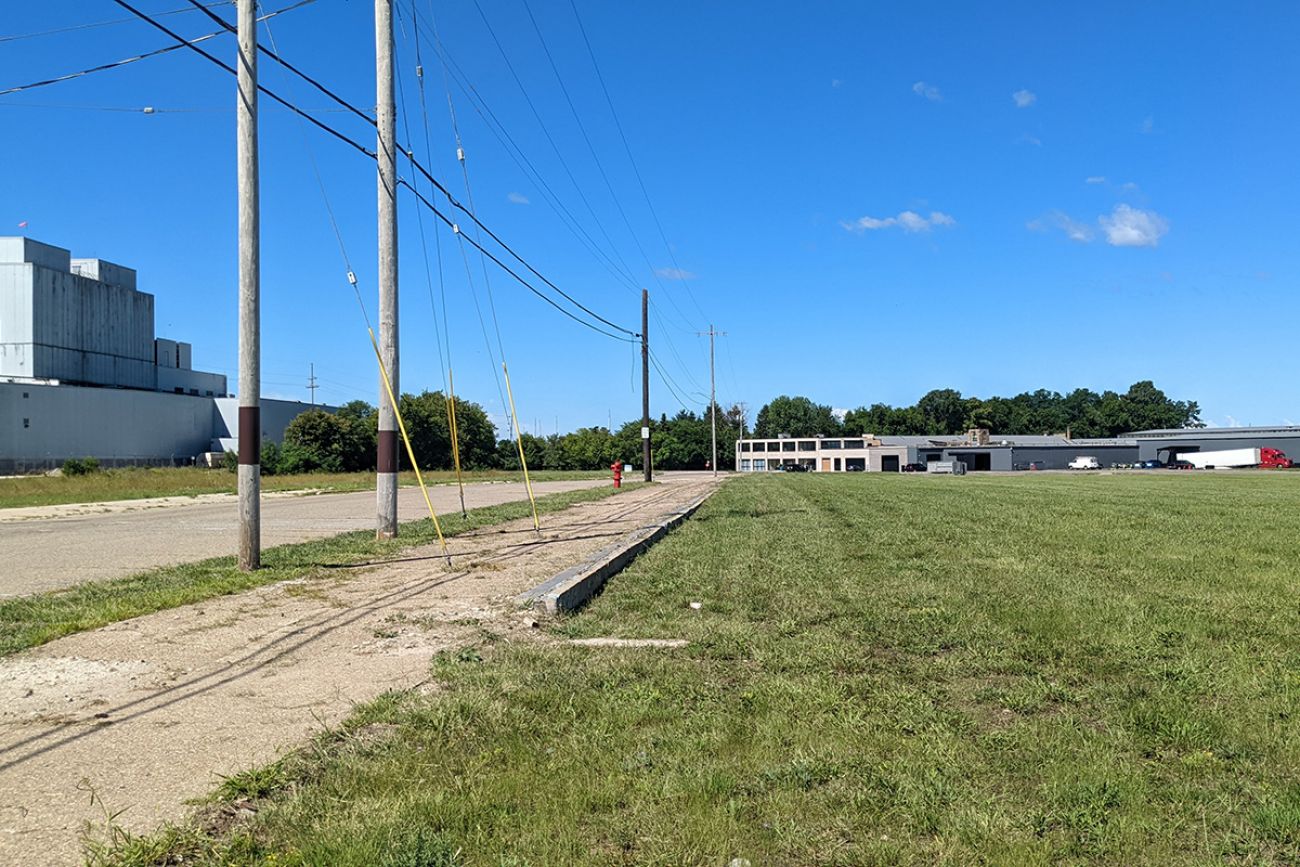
x=807, y=445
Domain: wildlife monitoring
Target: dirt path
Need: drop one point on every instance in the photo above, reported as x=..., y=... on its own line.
x=51, y=547
x=149, y=712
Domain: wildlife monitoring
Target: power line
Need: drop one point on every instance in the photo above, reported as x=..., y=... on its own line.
x=410, y=156
x=415, y=164
x=504, y=267
x=521, y=160
x=546, y=131
x=128, y=60
x=628, y=148
x=90, y=25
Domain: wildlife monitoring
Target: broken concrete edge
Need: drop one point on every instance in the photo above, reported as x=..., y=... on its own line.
x=572, y=588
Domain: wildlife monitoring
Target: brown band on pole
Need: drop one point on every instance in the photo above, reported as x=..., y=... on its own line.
x=387, y=458
x=250, y=435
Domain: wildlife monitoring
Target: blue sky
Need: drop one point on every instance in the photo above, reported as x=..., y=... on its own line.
x=872, y=200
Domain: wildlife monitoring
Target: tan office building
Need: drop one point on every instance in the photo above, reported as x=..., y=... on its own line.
x=819, y=455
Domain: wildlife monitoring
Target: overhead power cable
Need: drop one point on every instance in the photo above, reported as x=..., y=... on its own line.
x=410, y=156
x=91, y=25
x=520, y=158
x=128, y=60
x=628, y=148
x=343, y=137
x=402, y=182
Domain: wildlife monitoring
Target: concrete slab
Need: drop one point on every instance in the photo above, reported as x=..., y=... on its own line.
x=570, y=589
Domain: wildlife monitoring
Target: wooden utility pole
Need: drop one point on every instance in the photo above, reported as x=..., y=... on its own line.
x=645, y=382
x=250, y=339
x=713, y=395
x=386, y=459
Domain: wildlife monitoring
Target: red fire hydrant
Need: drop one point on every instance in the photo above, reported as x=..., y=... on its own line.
x=617, y=467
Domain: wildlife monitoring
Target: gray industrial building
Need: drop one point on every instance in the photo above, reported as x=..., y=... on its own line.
x=83, y=375
x=981, y=451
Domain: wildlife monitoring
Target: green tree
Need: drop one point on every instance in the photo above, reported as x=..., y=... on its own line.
x=322, y=441
x=796, y=416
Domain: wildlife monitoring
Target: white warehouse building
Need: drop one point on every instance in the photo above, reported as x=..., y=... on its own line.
x=82, y=374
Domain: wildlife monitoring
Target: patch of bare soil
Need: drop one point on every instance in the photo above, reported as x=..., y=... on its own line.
x=151, y=712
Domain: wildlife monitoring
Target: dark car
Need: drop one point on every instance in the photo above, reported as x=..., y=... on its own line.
x=1149, y=465
x=1180, y=465
x=914, y=468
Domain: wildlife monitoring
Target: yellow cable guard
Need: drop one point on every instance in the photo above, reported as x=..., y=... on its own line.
x=519, y=438
x=455, y=438
x=410, y=453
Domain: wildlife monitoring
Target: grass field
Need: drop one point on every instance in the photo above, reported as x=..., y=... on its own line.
x=1056, y=669
x=143, y=482
x=28, y=621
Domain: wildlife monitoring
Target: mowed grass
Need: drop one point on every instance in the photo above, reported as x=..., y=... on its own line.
x=28, y=621
x=1054, y=669
x=136, y=483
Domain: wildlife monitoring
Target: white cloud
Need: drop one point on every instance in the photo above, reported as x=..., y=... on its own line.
x=517, y=199
x=1095, y=179
x=1024, y=98
x=929, y=91
x=908, y=221
x=1148, y=125
x=1073, y=229
x=839, y=413
x=1232, y=422
x=1129, y=187
x=1031, y=139
x=1133, y=227
x=675, y=274
x=835, y=82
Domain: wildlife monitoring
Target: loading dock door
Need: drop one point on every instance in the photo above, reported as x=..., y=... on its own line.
x=983, y=461
x=889, y=463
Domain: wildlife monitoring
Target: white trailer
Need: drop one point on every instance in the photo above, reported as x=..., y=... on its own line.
x=1222, y=458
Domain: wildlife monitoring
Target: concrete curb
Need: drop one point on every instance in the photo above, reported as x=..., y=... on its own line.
x=570, y=589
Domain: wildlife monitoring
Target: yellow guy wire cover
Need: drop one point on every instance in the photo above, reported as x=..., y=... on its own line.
x=519, y=438
x=455, y=438
x=410, y=453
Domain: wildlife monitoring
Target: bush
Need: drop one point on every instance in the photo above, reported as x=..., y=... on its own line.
x=271, y=459
x=80, y=466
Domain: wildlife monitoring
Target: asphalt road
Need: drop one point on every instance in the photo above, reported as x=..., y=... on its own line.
x=60, y=546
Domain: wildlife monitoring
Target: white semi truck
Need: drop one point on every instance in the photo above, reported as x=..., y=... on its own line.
x=1227, y=458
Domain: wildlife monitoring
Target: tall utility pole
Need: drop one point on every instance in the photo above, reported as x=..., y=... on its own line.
x=645, y=382
x=250, y=339
x=386, y=460
x=311, y=383
x=713, y=395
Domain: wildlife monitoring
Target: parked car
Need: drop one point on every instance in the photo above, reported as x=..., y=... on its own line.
x=1084, y=462
x=1151, y=464
x=1180, y=465
x=914, y=468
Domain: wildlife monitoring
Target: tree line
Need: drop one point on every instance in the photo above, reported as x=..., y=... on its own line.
x=345, y=441
x=1081, y=413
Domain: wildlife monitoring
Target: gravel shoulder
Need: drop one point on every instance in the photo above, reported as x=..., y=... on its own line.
x=151, y=712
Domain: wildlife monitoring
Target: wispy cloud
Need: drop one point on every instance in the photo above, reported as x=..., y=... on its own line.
x=908, y=221
x=1148, y=125
x=929, y=91
x=1095, y=179
x=675, y=274
x=835, y=82
x=1132, y=227
x=1032, y=140
x=1024, y=98
x=517, y=199
x=1073, y=229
